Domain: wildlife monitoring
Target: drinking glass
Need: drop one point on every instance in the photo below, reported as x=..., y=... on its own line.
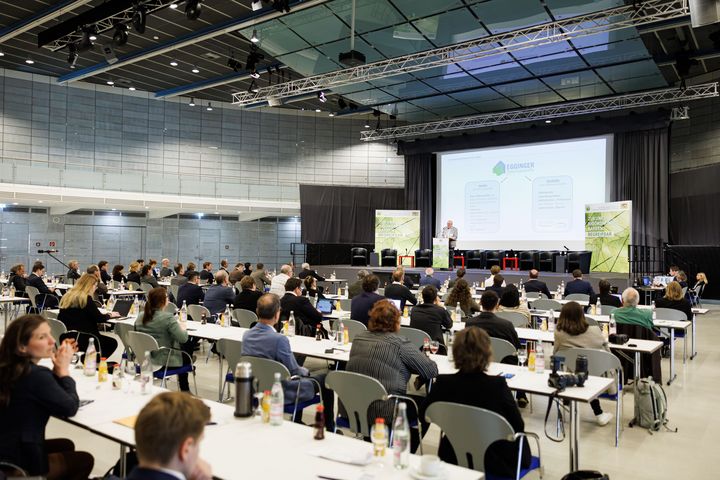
x=522, y=355
x=434, y=346
x=331, y=334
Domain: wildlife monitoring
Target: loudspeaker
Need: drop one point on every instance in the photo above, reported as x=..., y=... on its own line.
x=109, y=53
x=704, y=12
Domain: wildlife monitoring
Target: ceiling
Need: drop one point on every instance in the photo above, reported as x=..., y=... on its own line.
x=307, y=42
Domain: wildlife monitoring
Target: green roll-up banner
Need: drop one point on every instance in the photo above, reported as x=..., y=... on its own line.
x=608, y=232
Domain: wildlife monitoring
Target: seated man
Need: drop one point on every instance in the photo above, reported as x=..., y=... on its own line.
x=498, y=286
x=168, y=432
x=237, y=274
x=277, y=284
x=218, y=296
x=356, y=288
x=494, y=270
x=606, y=298
x=260, y=277
x=428, y=279
x=206, y=274
x=179, y=278
x=638, y=323
x=166, y=271
x=248, y=297
x=629, y=314
x=307, y=271
x=293, y=301
x=362, y=304
x=458, y=275
x=35, y=279
x=398, y=291
x=191, y=293
x=578, y=285
x=535, y=285
x=263, y=341
x=430, y=317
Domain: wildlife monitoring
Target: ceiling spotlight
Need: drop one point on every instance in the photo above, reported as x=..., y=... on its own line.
x=29, y=61
x=173, y=63
x=192, y=102
x=321, y=97
x=331, y=114
x=548, y=121
x=256, y=5
x=139, y=19
x=195, y=69
x=254, y=37
x=132, y=89
x=110, y=82
x=120, y=37
x=72, y=54
x=2, y=54
x=317, y=110
x=255, y=74
x=92, y=37
x=209, y=107
x=193, y=9
x=88, y=37
x=173, y=5
x=367, y=123
x=253, y=58
x=234, y=64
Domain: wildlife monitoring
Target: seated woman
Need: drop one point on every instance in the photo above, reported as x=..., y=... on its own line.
x=117, y=274
x=674, y=299
x=461, y=294
x=390, y=358
x=134, y=274
x=311, y=288
x=146, y=276
x=573, y=331
x=697, y=290
x=17, y=279
x=472, y=353
x=79, y=312
x=30, y=394
x=163, y=326
x=510, y=302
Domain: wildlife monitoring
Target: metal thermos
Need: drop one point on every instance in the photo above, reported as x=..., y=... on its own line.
x=243, y=390
x=581, y=365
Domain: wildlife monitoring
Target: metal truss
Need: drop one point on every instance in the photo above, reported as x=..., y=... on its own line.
x=547, y=112
x=641, y=13
x=109, y=23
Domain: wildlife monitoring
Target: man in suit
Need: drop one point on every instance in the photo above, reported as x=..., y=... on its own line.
x=428, y=279
x=168, y=432
x=308, y=272
x=356, y=288
x=191, y=293
x=219, y=295
x=248, y=297
x=237, y=274
x=166, y=271
x=497, y=286
x=260, y=277
x=293, y=301
x=606, y=298
x=578, y=285
x=104, y=275
x=224, y=266
x=265, y=342
x=535, y=285
x=35, y=279
x=277, y=285
x=495, y=326
x=398, y=291
x=179, y=278
x=430, y=317
x=460, y=274
x=206, y=274
x=361, y=305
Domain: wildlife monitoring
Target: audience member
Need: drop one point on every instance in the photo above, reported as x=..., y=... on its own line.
x=675, y=300
x=638, y=323
x=498, y=285
x=495, y=326
x=237, y=274
x=180, y=277
x=224, y=266
x=461, y=294
x=494, y=270
x=248, y=297
x=293, y=301
x=578, y=285
x=458, y=275
x=117, y=274
x=166, y=271
x=311, y=289
x=30, y=394
x=681, y=278
x=134, y=273
x=535, y=285
x=407, y=281
x=152, y=263
x=248, y=269
x=356, y=288
x=398, y=291
x=307, y=271
x=428, y=279
x=104, y=275
x=510, y=302
x=430, y=316
x=146, y=276
x=701, y=282
x=101, y=289
x=35, y=279
x=607, y=298
x=361, y=304
x=17, y=279
x=190, y=267
x=260, y=277
x=73, y=272
x=206, y=275
x=220, y=295
x=191, y=292
x=277, y=286
x=629, y=314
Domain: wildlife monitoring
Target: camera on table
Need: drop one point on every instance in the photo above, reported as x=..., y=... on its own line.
x=561, y=382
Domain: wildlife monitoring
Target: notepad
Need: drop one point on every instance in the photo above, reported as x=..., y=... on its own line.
x=127, y=421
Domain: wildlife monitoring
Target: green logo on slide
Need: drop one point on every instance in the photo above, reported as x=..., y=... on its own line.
x=499, y=169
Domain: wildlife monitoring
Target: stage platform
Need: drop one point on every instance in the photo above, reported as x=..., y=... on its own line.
x=619, y=280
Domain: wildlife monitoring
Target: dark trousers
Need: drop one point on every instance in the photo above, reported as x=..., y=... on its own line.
x=187, y=347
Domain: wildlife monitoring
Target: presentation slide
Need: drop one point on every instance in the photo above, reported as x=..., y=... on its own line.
x=523, y=197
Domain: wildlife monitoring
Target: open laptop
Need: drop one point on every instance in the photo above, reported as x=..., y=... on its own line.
x=122, y=307
x=324, y=306
x=396, y=303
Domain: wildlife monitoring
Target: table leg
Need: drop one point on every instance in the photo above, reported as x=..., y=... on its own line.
x=685, y=346
x=637, y=368
x=692, y=344
x=123, y=466
x=672, y=356
x=574, y=437
x=6, y=307
x=220, y=379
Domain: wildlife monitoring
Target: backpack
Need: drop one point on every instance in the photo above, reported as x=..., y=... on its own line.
x=650, y=406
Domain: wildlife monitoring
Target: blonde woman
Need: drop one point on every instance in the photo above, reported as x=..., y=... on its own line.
x=79, y=312
x=74, y=270
x=674, y=299
x=134, y=274
x=699, y=288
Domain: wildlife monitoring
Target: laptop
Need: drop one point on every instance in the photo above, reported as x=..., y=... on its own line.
x=646, y=281
x=122, y=307
x=324, y=306
x=396, y=303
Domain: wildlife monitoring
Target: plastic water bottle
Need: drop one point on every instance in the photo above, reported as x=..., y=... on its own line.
x=291, y=324
x=379, y=435
x=449, y=344
x=551, y=321
x=613, y=324
x=654, y=313
x=183, y=312
x=227, y=316
x=340, y=331
x=598, y=307
x=540, y=359
x=458, y=312
x=401, y=439
x=146, y=374
x=277, y=402
x=90, y=359
x=136, y=307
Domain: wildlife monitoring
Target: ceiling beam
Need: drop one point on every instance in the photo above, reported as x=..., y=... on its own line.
x=39, y=18
x=63, y=210
x=608, y=20
x=206, y=33
x=213, y=82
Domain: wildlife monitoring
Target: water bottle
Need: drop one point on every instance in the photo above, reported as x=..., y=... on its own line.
x=291, y=324
x=458, y=312
x=146, y=374
x=227, y=317
x=243, y=390
x=401, y=439
x=449, y=344
x=135, y=307
x=183, y=312
x=277, y=402
x=540, y=359
x=340, y=331
x=654, y=313
x=551, y=322
x=90, y=359
x=613, y=325
x=379, y=435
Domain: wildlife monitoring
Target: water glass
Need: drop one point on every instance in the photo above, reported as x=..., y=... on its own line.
x=522, y=355
x=434, y=346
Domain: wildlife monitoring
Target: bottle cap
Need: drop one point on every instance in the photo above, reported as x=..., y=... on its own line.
x=320, y=408
x=266, y=392
x=103, y=359
x=379, y=420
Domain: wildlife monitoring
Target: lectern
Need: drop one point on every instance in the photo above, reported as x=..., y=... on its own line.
x=441, y=253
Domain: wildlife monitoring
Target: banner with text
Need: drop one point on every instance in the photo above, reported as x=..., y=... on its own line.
x=398, y=229
x=608, y=232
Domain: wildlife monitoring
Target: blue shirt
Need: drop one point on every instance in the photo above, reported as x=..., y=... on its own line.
x=216, y=297
x=428, y=280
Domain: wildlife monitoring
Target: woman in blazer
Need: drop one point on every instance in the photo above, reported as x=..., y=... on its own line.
x=29, y=394
x=147, y=276
x=165, y=328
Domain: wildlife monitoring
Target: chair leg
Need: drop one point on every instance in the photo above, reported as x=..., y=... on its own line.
x=194, y=380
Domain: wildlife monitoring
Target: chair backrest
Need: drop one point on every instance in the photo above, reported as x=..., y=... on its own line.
x=171, y=308
x=684, y=291
x=140, y=343
x=416, y=336
x=516, y=318
x=48, y=314
x=581, y=297
x=32, y=292
x=57, y=328
x=146, y=287
x=173, y=289
x=264, y=370
x=245, y=318
x=388, y=252
x=358, y=251
x=354, y=327
x=669, y=314
x=591, y=321
x=599, y=361
x=534, y=295
x=470, y=430
x=238, y=287
x=121, y=330
x=132, y=286
x=502, y=348
x=606, y=309
x=356, y=392
x=231, y=350
x=546, y=304
x=346, y=304
x=196, y=312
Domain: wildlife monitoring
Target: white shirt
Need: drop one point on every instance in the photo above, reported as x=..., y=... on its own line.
x=489, y=282
x=277, y=286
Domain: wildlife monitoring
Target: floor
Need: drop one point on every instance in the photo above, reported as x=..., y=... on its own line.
x=640, y=456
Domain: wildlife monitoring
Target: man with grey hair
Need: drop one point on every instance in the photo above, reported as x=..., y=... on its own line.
x=356, y=288
x=166, y=271
x=277, y=285
x=219, y=295
x=629, y=313
x=308, y=272
x=428, y=279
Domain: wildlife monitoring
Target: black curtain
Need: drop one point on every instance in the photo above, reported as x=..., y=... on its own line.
x=694, y=212
x=346, y=215
x=640, y=174
x=420, y=190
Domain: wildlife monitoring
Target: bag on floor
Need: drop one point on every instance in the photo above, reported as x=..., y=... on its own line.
x=650, y=406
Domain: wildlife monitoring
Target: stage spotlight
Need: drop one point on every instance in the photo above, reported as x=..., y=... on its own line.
x=72, y=55
x=256, y=5
x=139, y=19
x=120, y=37
x=253, y=58
x=282, y=5
x=321, y=97
x=209, y=107
x=193, y=9
x=234, y=64
x=342, y=104
x=192, y=102
x=254, y=37
x=254, y=74
x=88, y=36
x=367, y=123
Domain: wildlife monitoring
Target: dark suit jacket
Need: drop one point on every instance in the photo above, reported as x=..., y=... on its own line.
x=400, y=292
x=310, y=273
x=682, y=305
x=580, y=286
x=435, y=282
x=139, y=473
x=217, y=297
x=495, y=327
x=119, y=278
x=167, y=272
x=355, y=289
x=105, y=276
x=190, y=293
x=37, y=282
x=361, y=305
x=19, y=283
x=408, y=282
x=488, y=392
x=134, y=277
x=499, y=290
x=537, y=286
x=431, y=319
x=611, y=300
x=247, y=300
x=207, y=276
x=301, y=307
x=34, y=398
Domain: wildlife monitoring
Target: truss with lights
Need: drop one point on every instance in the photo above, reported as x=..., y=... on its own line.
x=547, y=112
x=641, y=13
